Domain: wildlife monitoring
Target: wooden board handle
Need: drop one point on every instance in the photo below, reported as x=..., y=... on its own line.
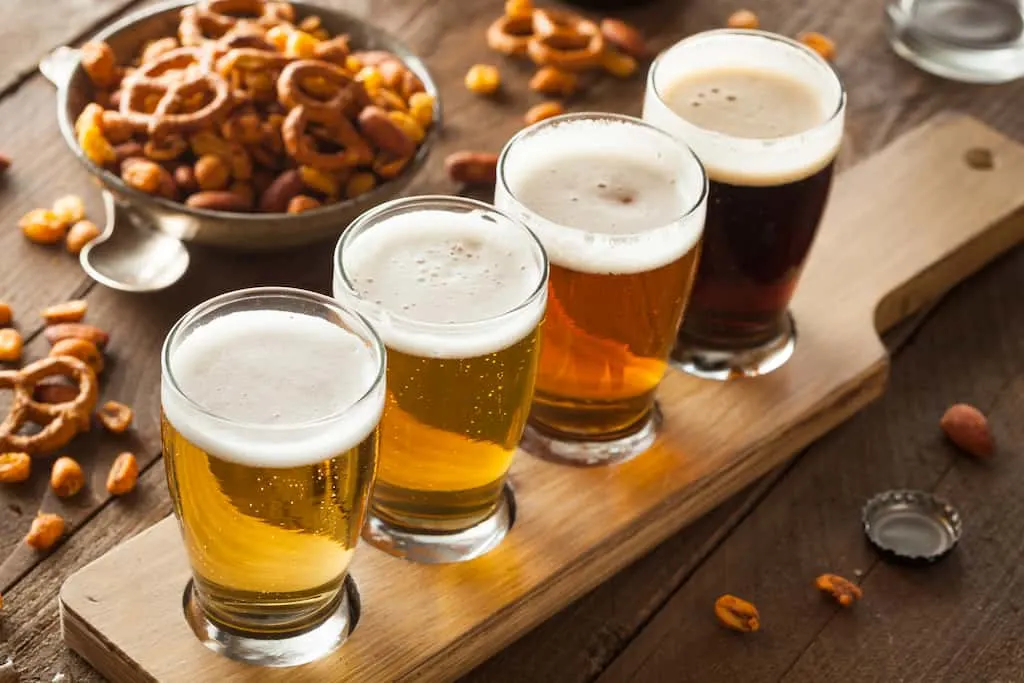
x=944, y=223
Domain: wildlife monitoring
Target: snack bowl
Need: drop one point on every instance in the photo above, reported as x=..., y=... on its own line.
x=236, y=231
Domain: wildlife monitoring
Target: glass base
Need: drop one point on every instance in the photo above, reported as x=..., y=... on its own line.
x=566, y=451
x=725, y=364
x=425, y=547
x=275, y=650
x=973, y=41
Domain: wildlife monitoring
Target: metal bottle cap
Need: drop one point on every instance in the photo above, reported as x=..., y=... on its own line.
x=912, y=526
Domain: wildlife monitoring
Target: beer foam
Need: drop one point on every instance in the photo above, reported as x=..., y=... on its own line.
x=604, y=195
x=272, y=388
x=782, y=65
x=445, y=284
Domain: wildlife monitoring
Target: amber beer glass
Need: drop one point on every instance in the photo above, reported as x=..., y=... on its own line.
x=457, y=291
x=619, y=207
x=271, y=399
x=765, y=116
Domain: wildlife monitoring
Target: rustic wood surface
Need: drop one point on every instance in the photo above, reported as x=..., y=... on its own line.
x=954, y=622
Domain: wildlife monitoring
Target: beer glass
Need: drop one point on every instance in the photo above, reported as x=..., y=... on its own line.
x=270, y=401
x=619, y=207
x=765, y=115
x=457, y=291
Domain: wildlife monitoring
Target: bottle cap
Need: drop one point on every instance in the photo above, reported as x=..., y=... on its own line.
x=911, y=526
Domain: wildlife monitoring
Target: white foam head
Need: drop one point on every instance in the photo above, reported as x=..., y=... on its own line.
x=744, y=160
x=272, y=388
x=443, y=277
x=605, y=194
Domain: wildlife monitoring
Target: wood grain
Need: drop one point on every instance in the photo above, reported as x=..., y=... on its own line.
x=548, y=559
x=941, y=623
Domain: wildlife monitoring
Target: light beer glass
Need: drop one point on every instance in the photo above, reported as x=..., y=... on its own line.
x=457, y=291
x=619, y=207
x=270, y=401
x=765, y=115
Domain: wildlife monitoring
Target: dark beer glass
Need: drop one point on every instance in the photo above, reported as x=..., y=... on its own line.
x=765, y=116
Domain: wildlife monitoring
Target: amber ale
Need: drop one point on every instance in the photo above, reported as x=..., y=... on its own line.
x=764, y=114
x=619, y=207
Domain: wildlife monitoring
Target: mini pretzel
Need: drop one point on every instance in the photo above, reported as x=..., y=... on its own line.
x=510, y=35
x=178, y=64
x=167, y=118
x=60, y=422
x=291, y=94
x=224, y=14
x=355, y=151
x=565, y=40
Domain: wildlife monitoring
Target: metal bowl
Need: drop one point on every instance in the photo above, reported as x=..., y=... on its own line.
x=235, y=231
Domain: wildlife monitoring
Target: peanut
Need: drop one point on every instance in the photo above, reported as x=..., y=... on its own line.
x=544, y=110
x=483, y=79
x=116, y=128
x=69, y=209
x=115, y=417
x=185, y=178
x=81, y=349
x=820, y=43
x=10, y=345
x=409, y=125
x=66, y=477
x=553, y=81
x=967, y=427
x=42, y=226
x=518, y=8
x=47, y=528
x=472, y=168
x=68, y=312
x=743, y=18
x=618, y=64
x=624, y=37
x=80, y=234
x=144, y=175
x=6, y=314
x=100, y=64
x=737, y=614
x=371, y=79
x=421, y=107
x=15, y=467
x=124, y=473
x=212, y=173
x=359, y=183
x=844, y=591
x=54, y=333
x=301, y=203
x=317, y=180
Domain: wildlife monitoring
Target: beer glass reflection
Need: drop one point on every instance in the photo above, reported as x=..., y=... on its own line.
x=457, y=291
x=765, y=116
x=270, y=403
x=619, y=207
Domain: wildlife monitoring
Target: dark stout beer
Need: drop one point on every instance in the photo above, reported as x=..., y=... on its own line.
x=765, y=117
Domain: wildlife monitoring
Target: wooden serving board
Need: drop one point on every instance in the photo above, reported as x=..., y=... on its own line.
x=901, y=228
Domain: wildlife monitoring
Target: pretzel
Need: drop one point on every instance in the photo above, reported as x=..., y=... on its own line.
x=565, y=40
x=347, y=92
x=301, y=145
x=510, y=35
x=60, y=422
x=167, y=117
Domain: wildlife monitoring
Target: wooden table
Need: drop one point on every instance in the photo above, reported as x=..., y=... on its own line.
x=957, y=621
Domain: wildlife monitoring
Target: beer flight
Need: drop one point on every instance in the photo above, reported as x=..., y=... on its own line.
x=295, y=423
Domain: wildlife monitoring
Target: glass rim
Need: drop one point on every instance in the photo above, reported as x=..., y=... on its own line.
x=624, y=118
x=745, y=33
x=367, y=333
x=369, y=219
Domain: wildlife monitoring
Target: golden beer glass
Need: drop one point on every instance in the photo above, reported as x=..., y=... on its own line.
x=271, y=398
x=457, y=291
x=619, y=207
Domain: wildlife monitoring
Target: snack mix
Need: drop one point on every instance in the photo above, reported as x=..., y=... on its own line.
x=249, y=109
